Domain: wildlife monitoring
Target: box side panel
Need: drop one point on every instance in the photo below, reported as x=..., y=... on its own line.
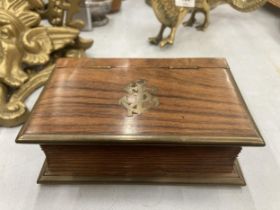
x=139, y=162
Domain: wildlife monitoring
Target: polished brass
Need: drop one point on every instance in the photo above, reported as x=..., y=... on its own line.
x=172, y=16
x=139, y=98
x=27, y=53
x=61, y=12
x=66, y=139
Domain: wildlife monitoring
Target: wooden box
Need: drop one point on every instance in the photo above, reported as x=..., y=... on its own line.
x=141, y=120
x=275, y=2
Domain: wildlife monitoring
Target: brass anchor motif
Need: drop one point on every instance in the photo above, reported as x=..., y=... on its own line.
x=139, y=98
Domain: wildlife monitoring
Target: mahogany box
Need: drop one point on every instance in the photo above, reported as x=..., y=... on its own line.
x=141, y=120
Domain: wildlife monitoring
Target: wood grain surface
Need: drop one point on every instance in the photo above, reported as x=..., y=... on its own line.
x=156, y=164
x=141, y=161
x=199, y=102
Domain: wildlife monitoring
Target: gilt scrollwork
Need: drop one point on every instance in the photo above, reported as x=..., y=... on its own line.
x=28, y=51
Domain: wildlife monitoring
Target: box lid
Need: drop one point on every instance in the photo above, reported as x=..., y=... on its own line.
x=141, y=101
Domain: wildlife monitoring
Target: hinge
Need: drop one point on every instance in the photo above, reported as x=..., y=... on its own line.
x=143, y=67
x=183, y=67
x=101, y=67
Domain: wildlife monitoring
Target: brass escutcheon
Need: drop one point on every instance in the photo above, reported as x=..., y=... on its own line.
x=139, y=98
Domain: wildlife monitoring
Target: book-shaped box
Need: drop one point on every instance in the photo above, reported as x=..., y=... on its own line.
x=141, y=120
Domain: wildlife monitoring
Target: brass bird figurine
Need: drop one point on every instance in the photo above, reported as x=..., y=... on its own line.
x=204, y=7
x=170, y=15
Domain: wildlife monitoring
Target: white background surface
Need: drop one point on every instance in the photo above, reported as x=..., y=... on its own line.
x=250, y=42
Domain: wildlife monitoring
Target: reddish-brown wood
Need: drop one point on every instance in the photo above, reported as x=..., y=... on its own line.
x=141, y=161
x=116, y=5
x=193, y=136
x=275, y=3
x=197, y=98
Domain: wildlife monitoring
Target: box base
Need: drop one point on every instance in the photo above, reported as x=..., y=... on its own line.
x=233, y=178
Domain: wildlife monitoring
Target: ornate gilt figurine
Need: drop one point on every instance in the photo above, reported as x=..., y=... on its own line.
x=172, y=16
x=27, y=53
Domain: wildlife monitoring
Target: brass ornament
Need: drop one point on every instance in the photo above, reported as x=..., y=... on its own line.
x=172, y=16
x=139, y=98
x=62, y=12
x=28, y=51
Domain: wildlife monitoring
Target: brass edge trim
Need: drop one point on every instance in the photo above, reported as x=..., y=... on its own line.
x=240, y=97
x=239, y=172
x=63, y=65
x=23, y=128
x=132, y=139
x=42, y=171
x=234, y=179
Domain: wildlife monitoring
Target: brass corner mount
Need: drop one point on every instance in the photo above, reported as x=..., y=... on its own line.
x=28, y=50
